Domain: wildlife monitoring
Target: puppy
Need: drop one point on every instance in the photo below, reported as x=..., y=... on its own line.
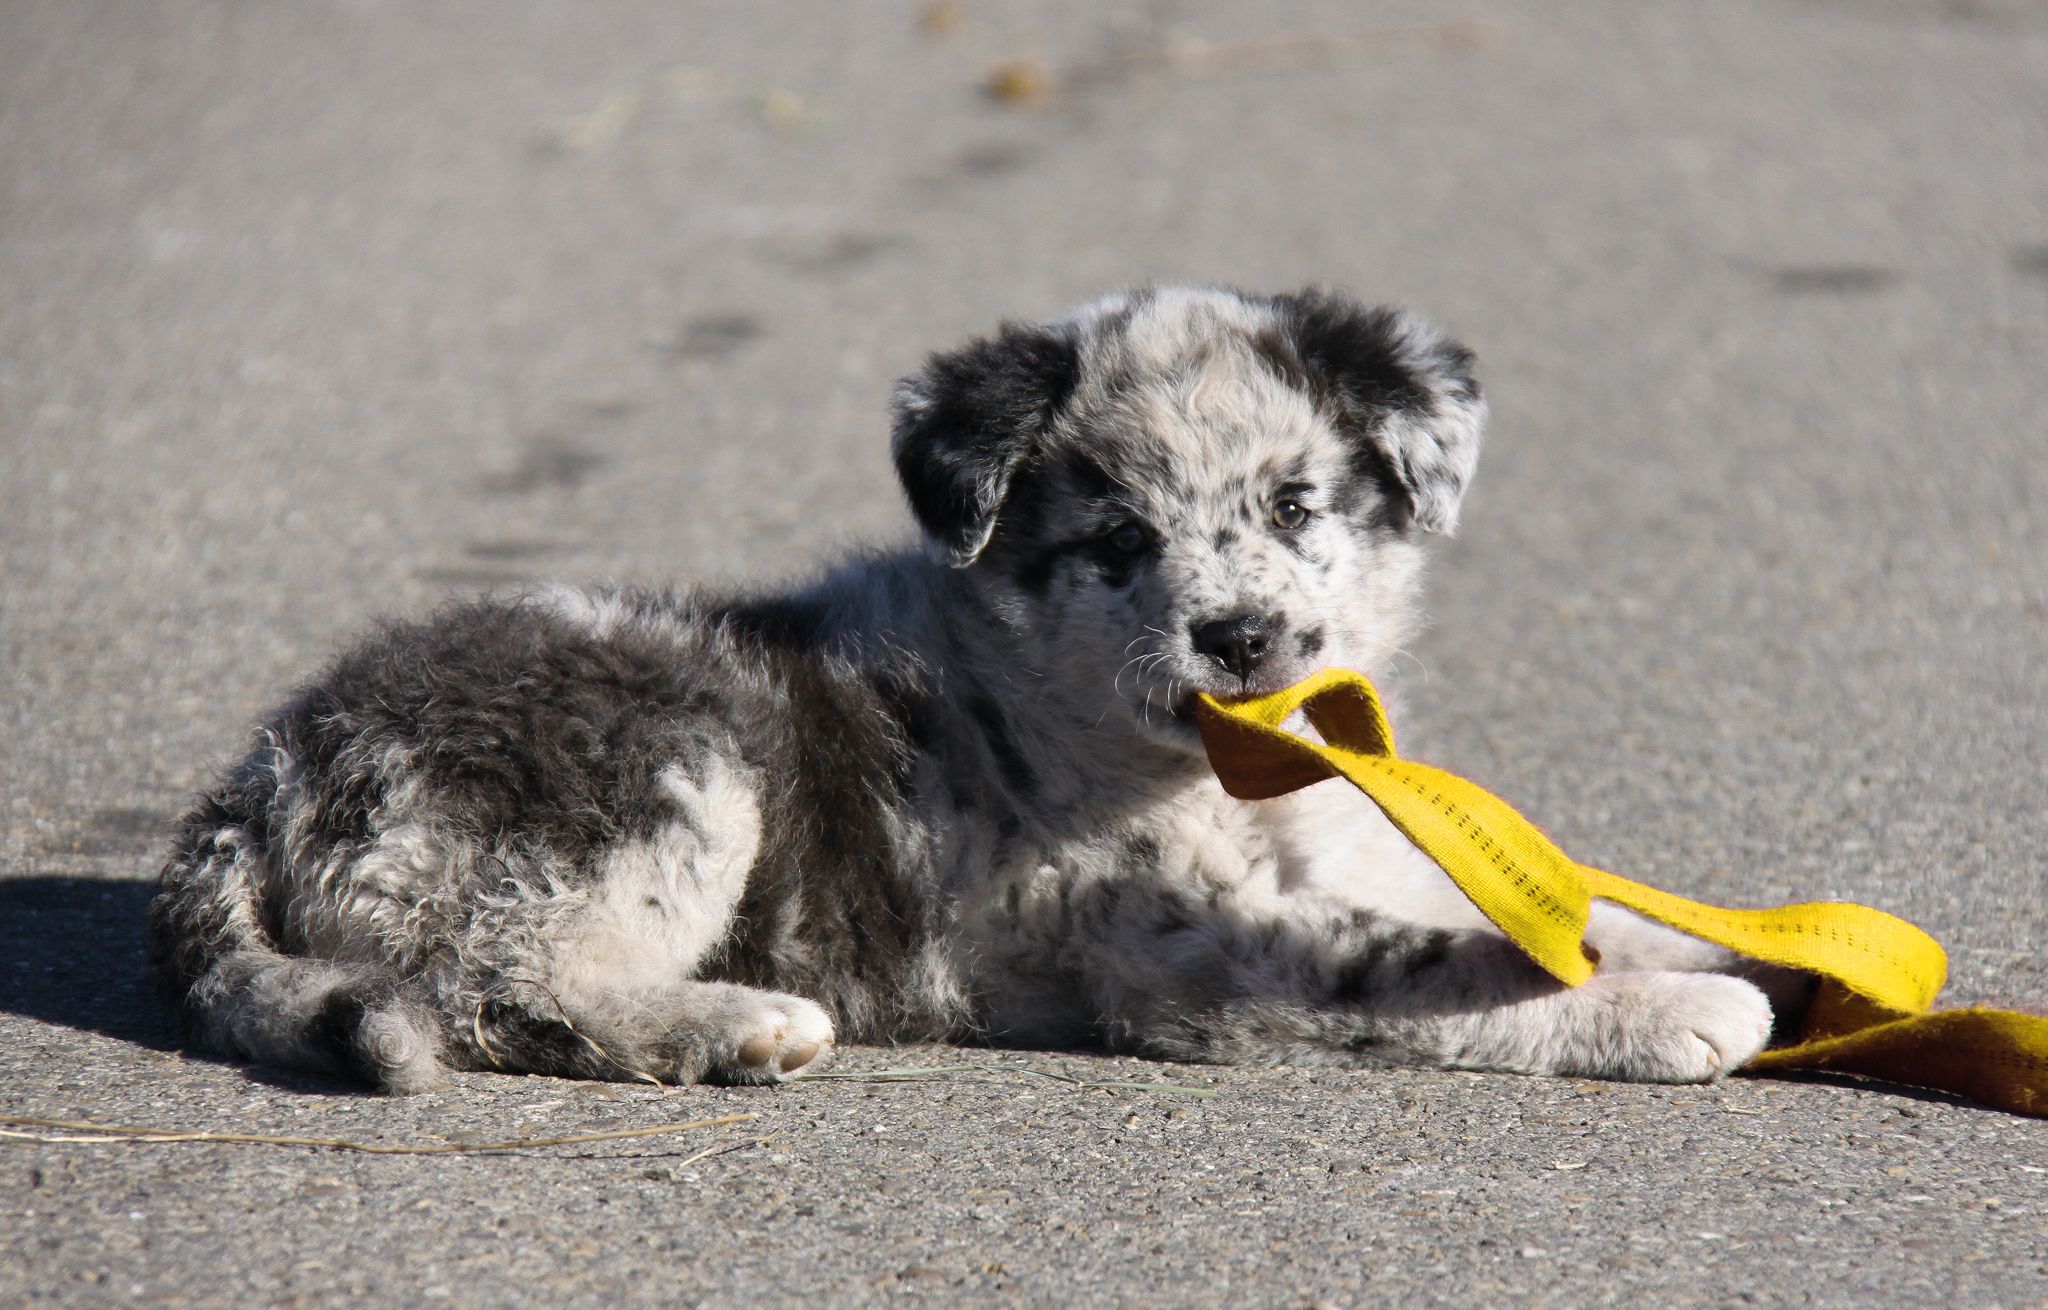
x=937, y=794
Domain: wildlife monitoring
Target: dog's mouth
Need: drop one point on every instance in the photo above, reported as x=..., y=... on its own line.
x=1165, y=700
x=1178, y=712
x=1170, y=717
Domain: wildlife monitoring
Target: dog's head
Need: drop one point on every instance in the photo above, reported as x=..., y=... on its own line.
x=1181, y=490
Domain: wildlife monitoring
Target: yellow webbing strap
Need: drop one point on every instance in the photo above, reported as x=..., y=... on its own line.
x=1879, y=974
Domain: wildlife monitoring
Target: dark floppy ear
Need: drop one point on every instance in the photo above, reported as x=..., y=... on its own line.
x=966, y=422
x=1401, y=390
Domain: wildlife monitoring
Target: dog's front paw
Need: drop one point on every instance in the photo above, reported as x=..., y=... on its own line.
x=1666, y=1027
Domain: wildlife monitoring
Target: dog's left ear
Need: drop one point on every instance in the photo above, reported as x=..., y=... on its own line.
x=968, y=420
x=1401, y=390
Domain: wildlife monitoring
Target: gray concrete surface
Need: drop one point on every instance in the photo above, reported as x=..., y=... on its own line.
x=311, y=311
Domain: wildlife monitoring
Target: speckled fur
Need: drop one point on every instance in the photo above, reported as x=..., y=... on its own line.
x=946, y=793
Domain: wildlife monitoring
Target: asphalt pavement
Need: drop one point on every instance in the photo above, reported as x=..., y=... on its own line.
x=311, y=312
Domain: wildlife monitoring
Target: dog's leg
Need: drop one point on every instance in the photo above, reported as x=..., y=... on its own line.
x=1372, y=865
x=605, y=988
x=1304, y=982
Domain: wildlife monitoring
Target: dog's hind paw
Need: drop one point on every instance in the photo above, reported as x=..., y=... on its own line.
x=772, y=1040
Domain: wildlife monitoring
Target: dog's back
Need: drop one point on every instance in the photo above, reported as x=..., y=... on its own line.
x=471, y=837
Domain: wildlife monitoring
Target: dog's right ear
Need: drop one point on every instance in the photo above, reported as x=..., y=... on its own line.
x=968, y=420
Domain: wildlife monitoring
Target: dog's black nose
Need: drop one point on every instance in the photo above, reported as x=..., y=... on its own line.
x=1238, y=644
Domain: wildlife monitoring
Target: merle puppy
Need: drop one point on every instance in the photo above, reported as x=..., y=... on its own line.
x=937, y=794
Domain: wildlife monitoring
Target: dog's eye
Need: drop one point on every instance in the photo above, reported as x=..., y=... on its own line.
x=1127, y=537
x=1290, y=513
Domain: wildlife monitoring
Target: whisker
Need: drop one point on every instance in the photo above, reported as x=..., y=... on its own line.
x=1421, y=669
x=1116, y=684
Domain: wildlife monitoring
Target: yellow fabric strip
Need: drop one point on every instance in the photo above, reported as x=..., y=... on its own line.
x=1879, y=973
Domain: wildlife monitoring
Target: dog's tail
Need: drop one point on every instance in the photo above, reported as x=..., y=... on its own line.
x=214, y=942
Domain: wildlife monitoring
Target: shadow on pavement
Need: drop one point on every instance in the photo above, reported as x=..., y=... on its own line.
x=1858, y=1083
x=73, y=952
